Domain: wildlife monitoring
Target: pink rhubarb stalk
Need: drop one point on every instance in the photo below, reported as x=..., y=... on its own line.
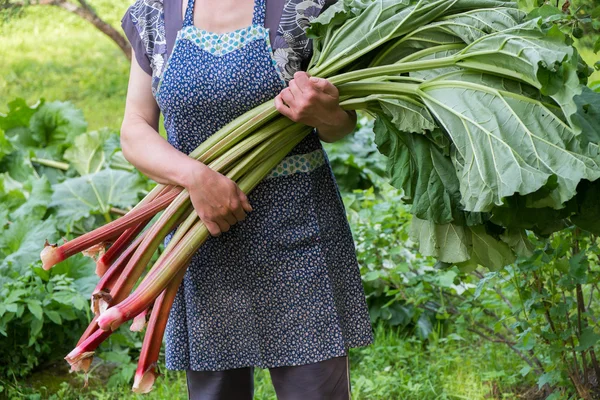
x=146, y=373
x=53, y=254
x=81, y=357
x=120, y=245
x=101, y=296
x=141, y=257
x=170, y=262
x=106, y=259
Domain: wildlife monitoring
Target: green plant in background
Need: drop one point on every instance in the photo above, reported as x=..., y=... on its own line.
x=56, y=180
x=356, y=162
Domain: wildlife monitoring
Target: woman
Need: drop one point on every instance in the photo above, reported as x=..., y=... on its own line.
x=278, y=285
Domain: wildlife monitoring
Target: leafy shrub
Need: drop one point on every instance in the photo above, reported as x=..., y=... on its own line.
x=56, y=180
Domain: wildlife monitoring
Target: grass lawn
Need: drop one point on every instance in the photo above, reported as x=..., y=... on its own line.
x=394, y=368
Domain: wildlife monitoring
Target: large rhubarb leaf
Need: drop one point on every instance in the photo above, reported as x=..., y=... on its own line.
x=507, y=143
x=463, y=245
x=378, y=22
x=95, y=194
x=56, y=124
x=88, y=155
x=12, y=194
x=39, y=193
x=421, y=170
x=588, y=116
x=21, y=243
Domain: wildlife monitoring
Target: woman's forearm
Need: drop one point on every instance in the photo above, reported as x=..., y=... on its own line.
x=154, y=156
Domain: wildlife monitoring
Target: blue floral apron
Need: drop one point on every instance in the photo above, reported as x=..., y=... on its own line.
x=282, y=287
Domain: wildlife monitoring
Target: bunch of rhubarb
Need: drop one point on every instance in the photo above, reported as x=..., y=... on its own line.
x=482, y=112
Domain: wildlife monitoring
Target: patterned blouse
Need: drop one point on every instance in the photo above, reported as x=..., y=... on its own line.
x=151, y=26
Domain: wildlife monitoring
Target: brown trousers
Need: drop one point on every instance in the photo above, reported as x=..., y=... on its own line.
x=325, y=380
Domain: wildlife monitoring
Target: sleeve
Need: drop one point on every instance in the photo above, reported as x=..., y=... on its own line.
x=133, y=35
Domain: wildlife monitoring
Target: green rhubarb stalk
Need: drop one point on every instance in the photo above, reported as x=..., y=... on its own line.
x=137, y=264
x=140, y=321
x=165, y=268
x=50, y=163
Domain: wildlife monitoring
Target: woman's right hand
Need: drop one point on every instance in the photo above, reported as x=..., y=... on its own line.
x=218, y=201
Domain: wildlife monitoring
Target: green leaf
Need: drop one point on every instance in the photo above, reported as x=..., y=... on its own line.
x=23, y=241
x=54, y=316
x=447, y=279
x=421, y=170
x=587, y=339
x=506, y=143
x=55, y=124
x=489, y=251
x=40, y=193
x=518, y=241
x=36, y=328
x=587, y=216
x=78, y=198
x=456, y=244
x=18, y=116
x=375, y=22
x=588, y=115
x=5, y=146
x=407, y=114
x=87, y=155
x=18, y=165
x=12, y=193
x=448, y=243
x=36, y=309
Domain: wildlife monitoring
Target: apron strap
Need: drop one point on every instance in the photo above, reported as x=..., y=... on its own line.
x=189, y=14
x=258, y=17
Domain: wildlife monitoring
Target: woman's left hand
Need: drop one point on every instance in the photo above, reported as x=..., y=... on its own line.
x=315, y=102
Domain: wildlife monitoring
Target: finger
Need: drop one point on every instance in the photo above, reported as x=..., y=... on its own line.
x=230, y=218
x=245, y=202
x=324, y=86
x=301, y=80
x=282, y=108
x=288, y=97
x=223, y=224
x=239, y=213
x=213, y=228
x=296, y=91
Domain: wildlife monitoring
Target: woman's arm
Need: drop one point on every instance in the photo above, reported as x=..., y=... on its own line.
x=217, y=199
x=316, y=102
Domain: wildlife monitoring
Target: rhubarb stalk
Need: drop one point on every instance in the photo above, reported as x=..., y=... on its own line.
x=120, y=245
x=52, y=254
x=170, y=262
x=145, y=374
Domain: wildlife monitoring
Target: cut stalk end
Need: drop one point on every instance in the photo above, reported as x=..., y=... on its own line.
x=144, y=381
x=100, y=301
x=96, y=251
x=139, y=322
x=80, y=360
x=111, y=319
x=51, y=255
